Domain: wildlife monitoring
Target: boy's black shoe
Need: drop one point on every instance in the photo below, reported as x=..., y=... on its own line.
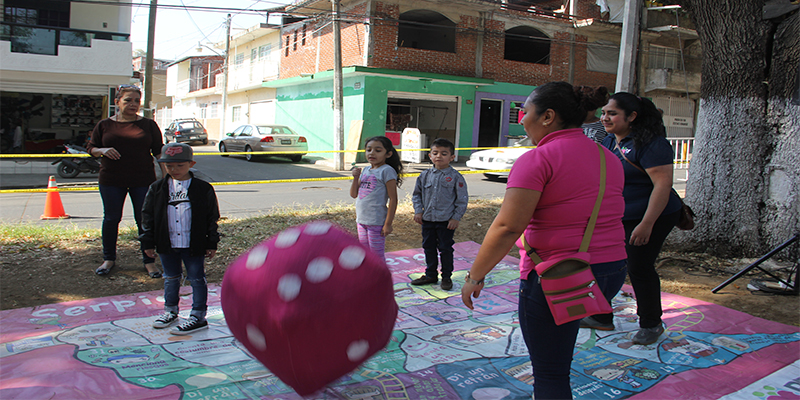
x=164, y=321
x=424, y=280
x=447, y=283
x=193, y=324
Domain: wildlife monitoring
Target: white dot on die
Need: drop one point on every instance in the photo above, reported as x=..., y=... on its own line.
x=319, y=269
x=357, y=350
x=256, y=257
x=256, y=338
x=317, y=228
x=352, y=257
x=289, y=287
x=287, y=238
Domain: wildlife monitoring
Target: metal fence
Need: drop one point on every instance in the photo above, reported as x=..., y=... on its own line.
x=682, y=148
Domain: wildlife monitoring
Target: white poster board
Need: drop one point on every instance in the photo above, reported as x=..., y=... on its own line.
x=412, y=139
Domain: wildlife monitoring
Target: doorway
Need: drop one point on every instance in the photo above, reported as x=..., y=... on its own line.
x=490, y=123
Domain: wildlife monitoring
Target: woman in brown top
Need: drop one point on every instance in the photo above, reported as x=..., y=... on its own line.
x=127, y=143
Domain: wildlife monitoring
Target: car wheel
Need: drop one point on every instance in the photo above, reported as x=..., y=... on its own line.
x=223, y=149
x=492, y=177
x=166, y=140
x=296, y=157
x=205, y=141
x=248, y=156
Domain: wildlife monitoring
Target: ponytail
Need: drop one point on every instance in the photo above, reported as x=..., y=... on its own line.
x=648, y=124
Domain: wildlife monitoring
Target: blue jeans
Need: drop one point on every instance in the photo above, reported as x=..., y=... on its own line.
x=113, y=202
x=172, y=281
x=550, y=345
x=436, y=240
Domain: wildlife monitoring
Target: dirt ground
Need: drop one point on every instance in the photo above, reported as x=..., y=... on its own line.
x=32, y=276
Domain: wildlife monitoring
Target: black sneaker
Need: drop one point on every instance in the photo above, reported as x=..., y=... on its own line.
x=424, y=280
x=165, y=320
x=647, y=336
x=591, y=323
x=447, y=283
x=193, y=324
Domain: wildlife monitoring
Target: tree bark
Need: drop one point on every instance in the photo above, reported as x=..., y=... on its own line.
x=780, y=221
x=744, y=172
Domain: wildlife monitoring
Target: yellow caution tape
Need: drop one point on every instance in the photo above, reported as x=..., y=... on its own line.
x=295, y=180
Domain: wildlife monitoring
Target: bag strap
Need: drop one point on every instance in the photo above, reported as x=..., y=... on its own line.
x=629, y=161
x=587, y=234
x=640, y=169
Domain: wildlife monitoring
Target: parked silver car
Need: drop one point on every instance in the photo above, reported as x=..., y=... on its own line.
x=277, y=138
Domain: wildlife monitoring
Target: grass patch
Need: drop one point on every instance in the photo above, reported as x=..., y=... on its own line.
x=240, y=234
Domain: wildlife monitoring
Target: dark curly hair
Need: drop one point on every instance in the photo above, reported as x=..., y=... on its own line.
x=592, y=98
x=648, y=124
x=393, y=160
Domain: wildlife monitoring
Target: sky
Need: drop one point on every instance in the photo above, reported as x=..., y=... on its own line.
x=178, y=30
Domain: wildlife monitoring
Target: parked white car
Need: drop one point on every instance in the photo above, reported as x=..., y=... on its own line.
x=494, y=159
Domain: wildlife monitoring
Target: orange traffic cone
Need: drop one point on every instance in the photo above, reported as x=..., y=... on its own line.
x=53, y=209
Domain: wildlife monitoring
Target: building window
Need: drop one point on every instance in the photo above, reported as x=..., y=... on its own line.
x=287, y=46
x=42, y=13
x=602, y=56
x=428, y=30
x=203, y=110
x=238, y=60
x=213, y=110
x=253, y=55
x=263, y=52
x=663, y=57
x=236, y=113
x=527, y=44
x=303, y=42
x=294, y=43
x=515, y=115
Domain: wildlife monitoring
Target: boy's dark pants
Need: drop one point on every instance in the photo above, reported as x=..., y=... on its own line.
x=436, y=237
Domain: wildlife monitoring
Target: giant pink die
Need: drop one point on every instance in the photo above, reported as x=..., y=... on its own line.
x=310, y=303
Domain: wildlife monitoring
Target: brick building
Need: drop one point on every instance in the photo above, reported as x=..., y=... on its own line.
x=458, y=69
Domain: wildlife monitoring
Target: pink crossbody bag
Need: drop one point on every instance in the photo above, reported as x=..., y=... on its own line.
x=568, y=283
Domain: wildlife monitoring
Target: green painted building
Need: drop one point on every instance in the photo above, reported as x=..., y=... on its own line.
x=471, y=112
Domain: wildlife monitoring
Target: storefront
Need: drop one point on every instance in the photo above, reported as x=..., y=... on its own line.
x=48, y=120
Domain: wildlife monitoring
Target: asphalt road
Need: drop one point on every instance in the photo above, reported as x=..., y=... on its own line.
x=236, y=201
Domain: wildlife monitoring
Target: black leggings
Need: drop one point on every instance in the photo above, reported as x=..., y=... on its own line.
x=642, y=270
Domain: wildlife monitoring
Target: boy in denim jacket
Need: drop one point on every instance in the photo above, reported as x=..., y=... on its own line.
x=440, y=201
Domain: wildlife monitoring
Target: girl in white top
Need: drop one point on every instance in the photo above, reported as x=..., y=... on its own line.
x=372, y=188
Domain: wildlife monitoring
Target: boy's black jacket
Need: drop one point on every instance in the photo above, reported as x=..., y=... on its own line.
x=205, y=214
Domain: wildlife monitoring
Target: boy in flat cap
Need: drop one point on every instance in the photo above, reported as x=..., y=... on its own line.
x=179, y=221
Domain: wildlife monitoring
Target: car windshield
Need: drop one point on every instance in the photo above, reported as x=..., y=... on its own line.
x=187, y=125
x=274, y=130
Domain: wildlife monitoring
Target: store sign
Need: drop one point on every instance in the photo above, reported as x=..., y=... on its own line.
x=678, y=122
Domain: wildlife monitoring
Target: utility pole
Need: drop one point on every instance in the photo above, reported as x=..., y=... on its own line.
x=626, y=67
x=148, y=63
x=338, y=112
x=225, y=68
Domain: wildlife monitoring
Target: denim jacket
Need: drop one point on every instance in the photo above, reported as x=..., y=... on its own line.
x=440, y=195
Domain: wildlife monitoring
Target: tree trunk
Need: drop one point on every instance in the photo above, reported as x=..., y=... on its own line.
x=744, y=173
x=781, y=217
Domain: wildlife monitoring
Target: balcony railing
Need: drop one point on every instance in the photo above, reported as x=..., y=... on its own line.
x=682, y=148
x=35, y=39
